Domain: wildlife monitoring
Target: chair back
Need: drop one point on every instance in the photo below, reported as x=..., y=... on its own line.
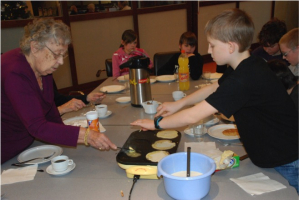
x=108, y=64
x=161, y=58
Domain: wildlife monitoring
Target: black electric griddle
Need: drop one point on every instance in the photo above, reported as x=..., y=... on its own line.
x=141, y=142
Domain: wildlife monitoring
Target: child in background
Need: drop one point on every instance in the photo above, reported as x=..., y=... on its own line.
x=127, y=50
x=188, y=42
x=289, y=48
x=265, y=115
x=288, y=79
x=269, y=37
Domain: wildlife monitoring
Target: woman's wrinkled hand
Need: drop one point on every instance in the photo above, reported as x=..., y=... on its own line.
x=145, y=124
x=100, y=141
x=95, y=97
x=72, y=105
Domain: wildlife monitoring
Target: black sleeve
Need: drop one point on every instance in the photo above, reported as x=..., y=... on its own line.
x=62, y=99
x=168, y=68
x=195, y=66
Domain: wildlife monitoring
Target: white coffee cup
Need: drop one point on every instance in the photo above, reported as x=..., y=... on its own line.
x=150, y=107
x=102, y=110
x=177, y=95
x=61, y=163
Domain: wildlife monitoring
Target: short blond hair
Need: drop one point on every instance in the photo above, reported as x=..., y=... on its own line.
x=232, y=25
x=42, y=30
x=290, y=39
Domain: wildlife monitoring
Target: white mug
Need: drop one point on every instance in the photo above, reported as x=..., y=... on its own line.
x=150, y=107
x=177, y=95
x=92, y=120
x=102, y=109
x=61, y=163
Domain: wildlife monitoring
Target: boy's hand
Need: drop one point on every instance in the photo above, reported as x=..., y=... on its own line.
x=145, y=124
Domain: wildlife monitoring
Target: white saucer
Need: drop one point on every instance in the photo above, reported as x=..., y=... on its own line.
x=123, y=99
x=52, y=172
x=108, y=113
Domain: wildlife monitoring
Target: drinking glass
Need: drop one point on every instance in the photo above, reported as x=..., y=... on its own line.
x=176, y=73
x=198, y=131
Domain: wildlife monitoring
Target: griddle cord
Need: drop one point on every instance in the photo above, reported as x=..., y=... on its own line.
x=136, y=177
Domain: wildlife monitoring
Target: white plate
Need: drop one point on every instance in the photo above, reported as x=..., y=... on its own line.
x=52, y=172
x=112, y=88
x=123, y=99
x=80, y=121
x=108, y=113
x=76, y=121
x=212, y=122
x=189, y=131
x=165, y=78
x=216, y=132
x=153, y=80
x=121, y=78
x=40, y=151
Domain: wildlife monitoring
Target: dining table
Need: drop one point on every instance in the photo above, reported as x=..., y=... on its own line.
x=97, y=174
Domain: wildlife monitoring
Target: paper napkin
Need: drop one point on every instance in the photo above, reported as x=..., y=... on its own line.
x=20, y=174
x=206, y=148
x=257, y=184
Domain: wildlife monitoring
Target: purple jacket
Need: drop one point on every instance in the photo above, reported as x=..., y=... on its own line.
x=26, y=111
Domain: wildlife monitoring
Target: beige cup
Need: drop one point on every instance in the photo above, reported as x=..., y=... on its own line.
x=61, y=163
x=102, y=110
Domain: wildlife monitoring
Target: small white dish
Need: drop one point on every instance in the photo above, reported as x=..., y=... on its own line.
x=121, y=78
x=50, y=170
x=112, y=88
x=165, y=78
x=152, y=80
x=123, y=100
x=108, y=113
x=40, y=151
x=212, y=122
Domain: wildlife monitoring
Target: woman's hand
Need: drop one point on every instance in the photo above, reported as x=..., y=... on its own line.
x=95, y=97
x=145, y=124
x=72, y=105
x=100, y=141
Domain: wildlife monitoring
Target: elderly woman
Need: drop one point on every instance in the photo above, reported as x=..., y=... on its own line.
x=28, y=110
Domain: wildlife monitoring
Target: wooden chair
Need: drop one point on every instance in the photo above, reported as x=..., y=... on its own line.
x=161, y=58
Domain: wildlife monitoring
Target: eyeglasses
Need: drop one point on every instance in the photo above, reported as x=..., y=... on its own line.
x=56, y=56
x=286, y=53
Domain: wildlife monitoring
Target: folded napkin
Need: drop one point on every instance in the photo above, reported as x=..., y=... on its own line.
x=20, y=174
x=257, y=184
x=206, y=148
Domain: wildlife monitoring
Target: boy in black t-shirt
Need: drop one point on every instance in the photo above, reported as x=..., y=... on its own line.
x=264, y=113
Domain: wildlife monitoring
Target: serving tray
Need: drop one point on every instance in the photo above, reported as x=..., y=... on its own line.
x=142, y=142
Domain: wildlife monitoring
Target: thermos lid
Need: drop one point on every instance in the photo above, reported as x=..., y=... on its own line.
x=136, y=62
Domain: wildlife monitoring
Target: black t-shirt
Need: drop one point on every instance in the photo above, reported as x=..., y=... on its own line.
x=265, y=115
x=195, y=65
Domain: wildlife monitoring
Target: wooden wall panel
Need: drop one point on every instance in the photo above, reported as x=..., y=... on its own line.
x=94, y=41
x=159, y=32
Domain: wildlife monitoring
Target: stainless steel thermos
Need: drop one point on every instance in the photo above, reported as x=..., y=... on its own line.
x=139, y=78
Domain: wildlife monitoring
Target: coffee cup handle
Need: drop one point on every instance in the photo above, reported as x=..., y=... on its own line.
x=71, y=162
